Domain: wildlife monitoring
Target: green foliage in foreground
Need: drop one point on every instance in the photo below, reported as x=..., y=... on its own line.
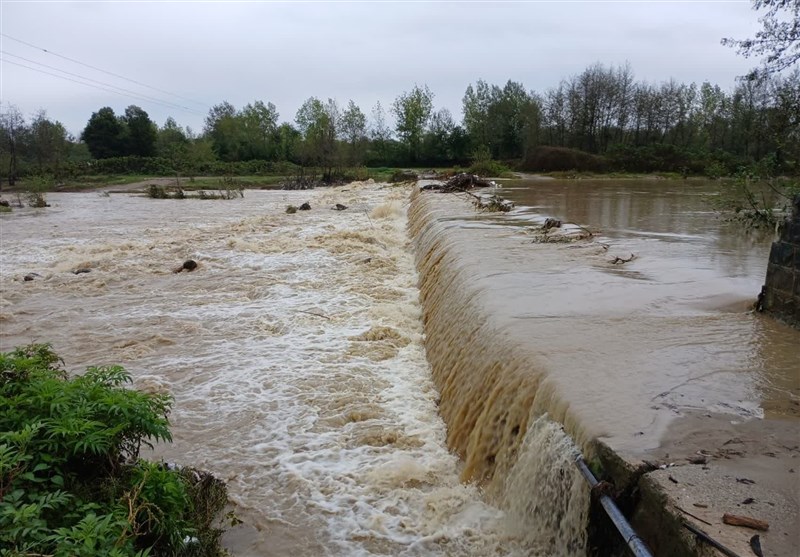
x=71, y=480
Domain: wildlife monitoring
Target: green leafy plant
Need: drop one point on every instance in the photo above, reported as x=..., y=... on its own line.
x=71, y=480
x=484, y=165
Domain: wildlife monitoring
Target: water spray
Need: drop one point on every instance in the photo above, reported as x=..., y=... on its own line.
x=635, y=543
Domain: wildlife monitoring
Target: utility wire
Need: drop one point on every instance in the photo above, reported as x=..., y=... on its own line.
x=104, y=71
x=5, y=61
x=128, y=91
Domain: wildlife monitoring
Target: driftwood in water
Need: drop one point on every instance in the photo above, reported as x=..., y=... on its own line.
x=620, y=260
x=551, y=223
x=460, y=182
x=493, y=204
x=301, y=183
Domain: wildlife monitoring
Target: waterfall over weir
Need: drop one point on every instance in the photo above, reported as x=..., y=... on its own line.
x=503, y=414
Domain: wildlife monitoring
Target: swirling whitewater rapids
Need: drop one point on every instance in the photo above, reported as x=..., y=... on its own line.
x=295, y=356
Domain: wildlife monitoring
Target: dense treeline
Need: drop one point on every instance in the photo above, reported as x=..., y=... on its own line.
x=601, y=119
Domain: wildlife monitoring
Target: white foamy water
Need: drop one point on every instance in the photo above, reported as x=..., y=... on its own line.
x=295, y=355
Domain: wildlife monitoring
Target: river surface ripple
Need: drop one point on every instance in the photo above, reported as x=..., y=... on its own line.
x=294, y=353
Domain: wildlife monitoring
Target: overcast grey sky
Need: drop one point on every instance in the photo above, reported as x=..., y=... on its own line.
x=285, y=52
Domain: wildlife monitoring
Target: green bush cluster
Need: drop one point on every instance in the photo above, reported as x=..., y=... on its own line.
x=71, y=480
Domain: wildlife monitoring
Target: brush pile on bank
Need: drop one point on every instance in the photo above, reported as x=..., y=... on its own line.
x=460, y=182
x=302, y=183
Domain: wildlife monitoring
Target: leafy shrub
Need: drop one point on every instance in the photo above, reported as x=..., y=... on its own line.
x=154, y=191
x=484, y=165
x=715, y=171
x=71, y=480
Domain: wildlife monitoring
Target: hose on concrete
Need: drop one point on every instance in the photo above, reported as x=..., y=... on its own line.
x=635, y=543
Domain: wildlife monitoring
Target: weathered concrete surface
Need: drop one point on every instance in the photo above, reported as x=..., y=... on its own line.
x=707, y=466
x=781, y=293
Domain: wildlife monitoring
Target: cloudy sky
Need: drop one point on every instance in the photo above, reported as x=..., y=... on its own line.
x=193, y=55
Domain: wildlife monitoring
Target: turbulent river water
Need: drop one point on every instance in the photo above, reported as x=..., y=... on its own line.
x=295, y=356
x=303, y=376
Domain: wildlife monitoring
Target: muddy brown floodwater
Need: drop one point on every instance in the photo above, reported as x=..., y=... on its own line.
x=295, y=355
x=303, y=376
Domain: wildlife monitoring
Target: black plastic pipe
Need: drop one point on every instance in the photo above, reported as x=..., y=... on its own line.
x=635, y=543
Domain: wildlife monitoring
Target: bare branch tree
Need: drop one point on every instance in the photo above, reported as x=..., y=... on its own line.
x=778, y=42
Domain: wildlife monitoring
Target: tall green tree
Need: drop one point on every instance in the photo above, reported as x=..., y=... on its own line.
x=317, y=122
x=105, y=134
x=475, y=105
x=436, y=147
x=49, y=144
x=259, y=124
x=353, y=130
x=142, y=132
x=288, y=139
x=380, y=133
x=169, y=136
x=12, y=134
x=224, y=130
x=412, y=111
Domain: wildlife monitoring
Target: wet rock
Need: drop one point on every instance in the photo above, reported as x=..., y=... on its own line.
x=621, y=260
x=551, y=223
x=291, y=209
x=81, y=270
x=339, y=207
x=305, y=206
x=189, y=265
x=4, y=203
x=31, y=276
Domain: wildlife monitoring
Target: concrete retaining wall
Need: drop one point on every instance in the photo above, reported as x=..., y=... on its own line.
x=781, y=293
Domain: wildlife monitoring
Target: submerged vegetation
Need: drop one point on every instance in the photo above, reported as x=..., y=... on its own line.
x=228, y=188
x=71, y=479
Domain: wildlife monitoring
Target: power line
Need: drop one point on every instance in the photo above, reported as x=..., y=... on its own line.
x=5, y=61
x=132, y=93
x=103, y=71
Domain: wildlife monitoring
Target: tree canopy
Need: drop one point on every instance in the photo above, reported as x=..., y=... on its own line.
x=778, y=41
x=619, y=122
